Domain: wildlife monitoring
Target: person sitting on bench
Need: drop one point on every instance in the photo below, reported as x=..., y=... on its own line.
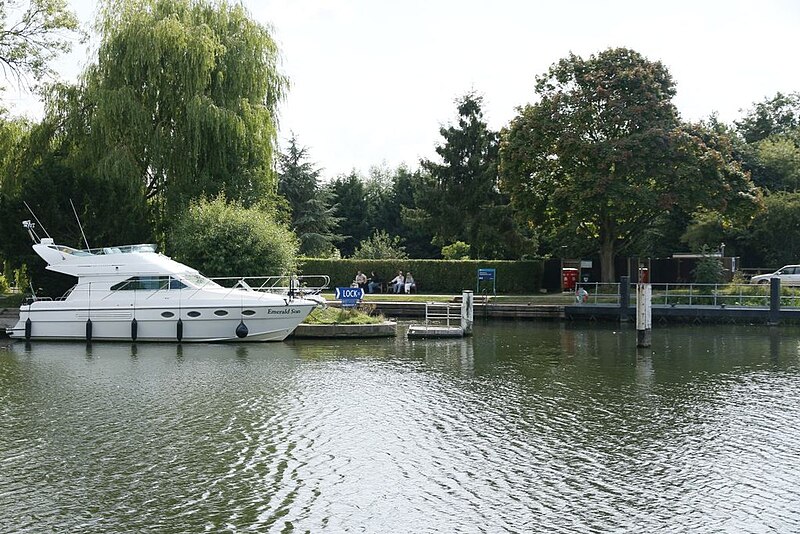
x=410, y=285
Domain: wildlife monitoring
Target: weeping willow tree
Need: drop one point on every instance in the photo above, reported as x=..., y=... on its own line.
x=182, y=102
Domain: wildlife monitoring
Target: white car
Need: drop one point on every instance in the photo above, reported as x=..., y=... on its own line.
x=789, y=275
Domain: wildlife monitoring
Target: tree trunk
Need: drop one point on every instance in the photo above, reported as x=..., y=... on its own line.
x=607, y=274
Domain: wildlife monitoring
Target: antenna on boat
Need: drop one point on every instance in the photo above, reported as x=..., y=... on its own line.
x=79, y=224
x=30, y=227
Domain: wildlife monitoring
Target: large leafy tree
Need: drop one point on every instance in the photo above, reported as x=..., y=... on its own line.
x=771, y=147
x=772, y=238
x=381, y=201
x=599, y=160
x=32, y=34
x=313, y=218
x=777, y=115
x=349, y=192
x=182, y=101
x=462, y=201
x=407, y=192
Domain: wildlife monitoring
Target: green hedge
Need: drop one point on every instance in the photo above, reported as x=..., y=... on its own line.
x=434, y=276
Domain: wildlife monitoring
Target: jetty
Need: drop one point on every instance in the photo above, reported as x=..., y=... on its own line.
x=445, y=319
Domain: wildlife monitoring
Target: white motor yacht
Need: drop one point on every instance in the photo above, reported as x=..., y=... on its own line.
x=134, y=293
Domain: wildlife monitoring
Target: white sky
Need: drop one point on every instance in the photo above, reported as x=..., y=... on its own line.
x=372, y=81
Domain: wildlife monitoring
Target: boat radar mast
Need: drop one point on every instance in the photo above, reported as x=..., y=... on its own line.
x=29, y=226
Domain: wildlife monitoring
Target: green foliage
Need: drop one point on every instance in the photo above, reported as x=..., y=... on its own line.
x=21, y=278
x=434, y=276
x=4, y=287
x=707, y=229
x=313, y=217
x=342, y=316
x=182, y=101
x=12, y=300
x=777, y=115
x=226, y=239
x=602, y=156
x=456, y=251
x=460, y=201
x=773, y=235
x=771, y=152
x=381, y=201
x=14, y=138
x=110, y=212
x=778, y=161
x=349, y=193
x=380, y=246
x=32, y=37
x=709, y=270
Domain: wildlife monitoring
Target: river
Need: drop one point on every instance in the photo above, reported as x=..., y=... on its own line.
x=525, y=427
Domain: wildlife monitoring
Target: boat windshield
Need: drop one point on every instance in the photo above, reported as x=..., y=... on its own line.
x=104, y=251
x=198, y=280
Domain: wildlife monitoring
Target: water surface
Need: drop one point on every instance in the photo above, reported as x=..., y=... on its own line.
x=526, y=427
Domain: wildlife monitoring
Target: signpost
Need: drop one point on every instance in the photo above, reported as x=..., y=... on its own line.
x=350, y=296
x=486, y=275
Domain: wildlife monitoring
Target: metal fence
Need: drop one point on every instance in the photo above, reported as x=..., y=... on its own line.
x=597, y=293
x=720, y=295
x=739, y=295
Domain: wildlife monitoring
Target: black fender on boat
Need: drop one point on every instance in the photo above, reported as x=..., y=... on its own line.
x=241, y=330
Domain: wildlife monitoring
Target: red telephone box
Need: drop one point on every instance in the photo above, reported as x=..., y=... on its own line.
x=569, y=278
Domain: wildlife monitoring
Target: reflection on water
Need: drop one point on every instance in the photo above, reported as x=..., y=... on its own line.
x=523, y=427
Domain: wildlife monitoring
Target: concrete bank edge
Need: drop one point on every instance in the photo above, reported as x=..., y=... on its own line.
x=307, y=331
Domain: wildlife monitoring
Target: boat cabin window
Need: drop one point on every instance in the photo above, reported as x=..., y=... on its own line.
x=199, y=281
x=148, y=283
x=69, y=250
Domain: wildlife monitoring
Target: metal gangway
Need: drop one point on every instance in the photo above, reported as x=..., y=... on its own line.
x=443, y=312
x=457, y=319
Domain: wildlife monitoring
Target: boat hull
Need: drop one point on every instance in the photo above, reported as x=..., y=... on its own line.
x=48, y=321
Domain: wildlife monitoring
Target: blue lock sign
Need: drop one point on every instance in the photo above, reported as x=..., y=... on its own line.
x=486, y=274
x=349, y=296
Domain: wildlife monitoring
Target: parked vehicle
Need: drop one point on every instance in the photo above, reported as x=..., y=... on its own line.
x=789, y=275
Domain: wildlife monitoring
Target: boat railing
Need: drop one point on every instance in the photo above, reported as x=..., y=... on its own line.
x=125, y=249
x=289, y=285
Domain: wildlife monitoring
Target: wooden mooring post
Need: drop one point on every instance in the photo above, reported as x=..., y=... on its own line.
x=644, y=315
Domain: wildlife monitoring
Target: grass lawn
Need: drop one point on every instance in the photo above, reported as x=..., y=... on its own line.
x=343, y=316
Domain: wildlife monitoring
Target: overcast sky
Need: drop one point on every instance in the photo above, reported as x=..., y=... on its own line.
x=372, y=81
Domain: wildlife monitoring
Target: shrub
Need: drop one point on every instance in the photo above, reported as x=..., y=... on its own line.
x=227, y=239
x=3, y=284
x=456, y=251
x=380, y=246
x=709, y=270
x=434, y=276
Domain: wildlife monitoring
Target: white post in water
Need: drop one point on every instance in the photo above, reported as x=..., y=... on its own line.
x=644, y=315
x=466, y=312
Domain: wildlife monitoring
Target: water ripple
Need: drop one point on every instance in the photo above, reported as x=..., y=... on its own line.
x=522, y=428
